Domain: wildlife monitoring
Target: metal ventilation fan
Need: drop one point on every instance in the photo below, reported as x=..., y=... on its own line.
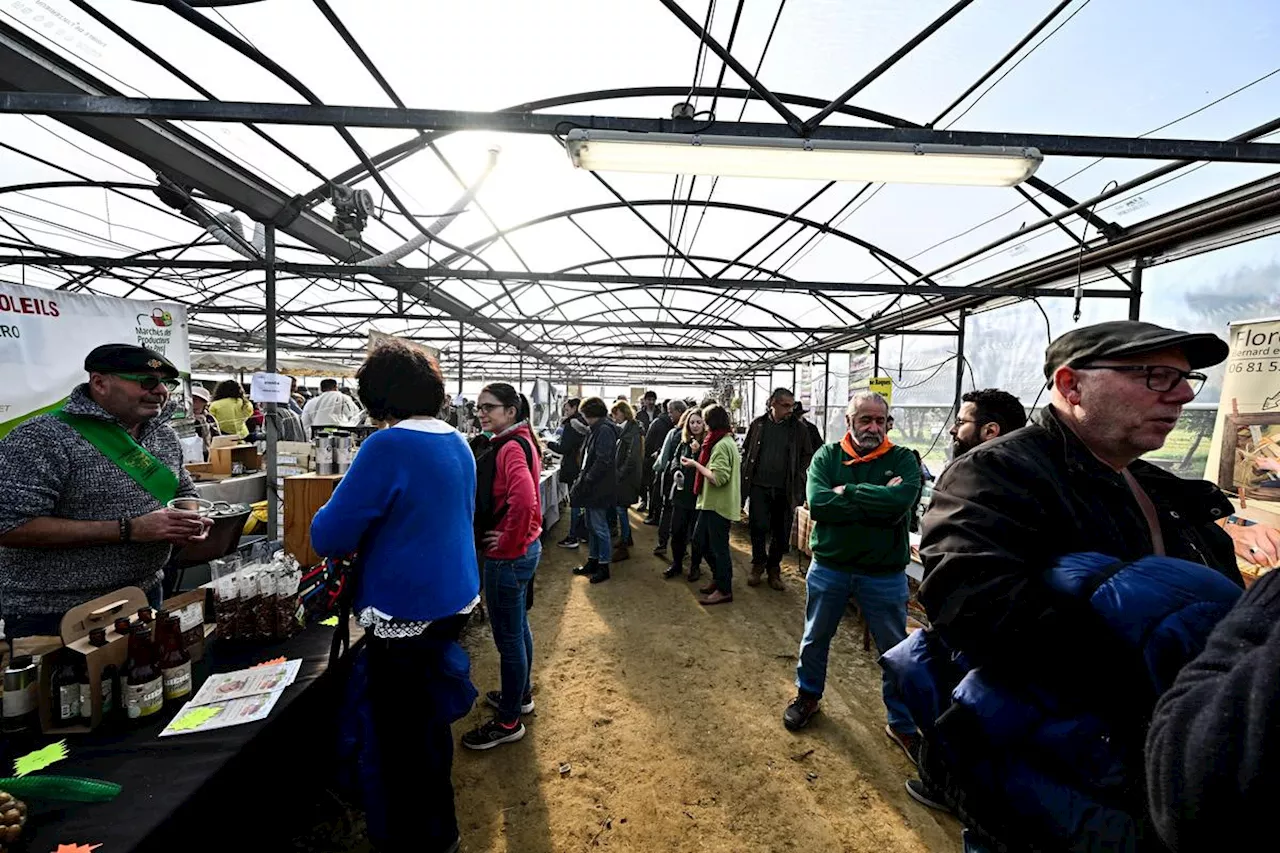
x=351, y=209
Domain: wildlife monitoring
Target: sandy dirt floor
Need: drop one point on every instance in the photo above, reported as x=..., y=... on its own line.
x=669, y=717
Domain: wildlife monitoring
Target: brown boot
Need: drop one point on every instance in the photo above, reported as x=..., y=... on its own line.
x=775, y=578
x=620, y=553
x=754, y=576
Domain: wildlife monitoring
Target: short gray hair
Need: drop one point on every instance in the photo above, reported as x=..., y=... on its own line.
x=866, y=397
x=677, y=405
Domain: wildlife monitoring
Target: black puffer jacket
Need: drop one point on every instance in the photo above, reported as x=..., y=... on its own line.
x=597, y=485
x=630, y=461
x=572, y=433
x=1007, y=510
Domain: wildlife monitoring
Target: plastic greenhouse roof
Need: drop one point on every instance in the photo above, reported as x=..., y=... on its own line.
x=1083, y=72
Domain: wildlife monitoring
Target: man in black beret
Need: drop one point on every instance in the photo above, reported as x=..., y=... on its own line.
x=1071, y=481
x=84, y=489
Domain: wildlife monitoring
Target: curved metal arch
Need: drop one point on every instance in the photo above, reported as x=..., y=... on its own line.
x=411, y=146
x=488, y=240
x=787, y=324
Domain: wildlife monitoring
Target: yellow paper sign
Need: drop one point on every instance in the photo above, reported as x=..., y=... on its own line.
x=40, y=759
x=195, y=718
x=331, y=622
x=883, y=386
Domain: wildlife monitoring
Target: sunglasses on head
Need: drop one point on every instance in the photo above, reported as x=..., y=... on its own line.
x=148, y=381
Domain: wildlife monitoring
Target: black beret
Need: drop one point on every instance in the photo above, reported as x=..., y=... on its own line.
x=1125, y=338
x=128, y=358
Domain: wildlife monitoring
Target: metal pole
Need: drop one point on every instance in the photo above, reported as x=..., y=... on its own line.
x=960, y=362
x=460, y=358
x=875, y=352
x=1135, y=284
x=520, y=375
x=826, y=396
x=270, y=414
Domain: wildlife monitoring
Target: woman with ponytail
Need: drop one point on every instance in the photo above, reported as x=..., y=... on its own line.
x=508, y=524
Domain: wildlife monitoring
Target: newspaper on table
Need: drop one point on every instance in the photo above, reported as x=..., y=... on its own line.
x=232, y=698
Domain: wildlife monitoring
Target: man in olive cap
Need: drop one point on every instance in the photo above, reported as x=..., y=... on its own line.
x=1071, y=481
x=83, y=492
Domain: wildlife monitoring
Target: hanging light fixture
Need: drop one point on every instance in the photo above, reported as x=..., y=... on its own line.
x=804, y=159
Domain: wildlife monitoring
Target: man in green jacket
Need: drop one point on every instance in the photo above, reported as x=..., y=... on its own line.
x=862, y=491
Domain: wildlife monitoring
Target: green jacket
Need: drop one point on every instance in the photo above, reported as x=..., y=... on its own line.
x=864, y=529
x=726, y=463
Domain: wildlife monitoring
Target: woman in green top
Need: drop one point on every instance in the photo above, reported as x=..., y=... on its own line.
x=230, y=409
x=716, y=483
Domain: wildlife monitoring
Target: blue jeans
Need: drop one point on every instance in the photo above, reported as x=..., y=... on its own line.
x=599, y=547
x=883, y=601
x=506, y=585
x=624, y=526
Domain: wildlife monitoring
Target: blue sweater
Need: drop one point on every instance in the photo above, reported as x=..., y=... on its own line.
x=405, y=506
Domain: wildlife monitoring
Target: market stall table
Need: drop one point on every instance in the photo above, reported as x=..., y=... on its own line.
x=215, y=790
x=549, y=493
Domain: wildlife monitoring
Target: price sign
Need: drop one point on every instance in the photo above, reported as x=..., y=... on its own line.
x=269, y=388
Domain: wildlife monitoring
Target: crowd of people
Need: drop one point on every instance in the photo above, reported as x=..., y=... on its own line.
x=1093, y=675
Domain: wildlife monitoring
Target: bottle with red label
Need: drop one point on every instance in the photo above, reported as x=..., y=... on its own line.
x=143, y=688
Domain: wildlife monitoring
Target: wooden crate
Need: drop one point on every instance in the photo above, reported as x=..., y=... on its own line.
x=221, y=459
x=303, y=496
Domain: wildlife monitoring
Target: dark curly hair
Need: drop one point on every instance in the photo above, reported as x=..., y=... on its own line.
x=398, y=381
x=999, y=407
x=594, y=407
x=228, y=389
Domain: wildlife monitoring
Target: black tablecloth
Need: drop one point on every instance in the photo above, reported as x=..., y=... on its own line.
x=214, y=790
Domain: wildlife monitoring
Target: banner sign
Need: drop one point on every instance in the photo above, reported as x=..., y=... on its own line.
x=45, y=335
x=1245, y=455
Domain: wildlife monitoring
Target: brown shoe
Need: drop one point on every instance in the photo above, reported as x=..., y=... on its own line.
x=909, y=743
x=716, y=597
x=620, y=553
x=775, y=579
x=755, y=575
x=709, y=588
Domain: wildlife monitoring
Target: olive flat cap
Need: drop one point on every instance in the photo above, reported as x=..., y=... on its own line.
x=1126, y=338
x=128, y=358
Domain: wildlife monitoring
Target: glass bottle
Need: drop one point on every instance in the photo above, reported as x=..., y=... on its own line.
x=122, y=626
x=175, y=663
x=97, y=639
x=65, y=689
x=145, y=614
x=143, y=690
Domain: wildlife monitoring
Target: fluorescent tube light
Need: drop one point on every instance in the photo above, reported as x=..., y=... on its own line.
x=803, y=159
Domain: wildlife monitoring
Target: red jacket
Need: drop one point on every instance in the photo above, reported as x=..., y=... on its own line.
x=516, y=487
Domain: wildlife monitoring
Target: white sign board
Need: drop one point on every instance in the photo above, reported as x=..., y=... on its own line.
x=1245, y=455
x=45, y=335
x=270, y=388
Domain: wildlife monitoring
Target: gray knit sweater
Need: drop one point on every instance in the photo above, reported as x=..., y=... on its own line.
x=47, y=469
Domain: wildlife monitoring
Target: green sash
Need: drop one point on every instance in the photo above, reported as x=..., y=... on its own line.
x=132, y=458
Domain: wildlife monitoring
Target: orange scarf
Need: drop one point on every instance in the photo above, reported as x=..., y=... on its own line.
x=847, y=445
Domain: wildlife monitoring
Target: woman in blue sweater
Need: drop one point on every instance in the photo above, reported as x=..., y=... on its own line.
x=405, y=508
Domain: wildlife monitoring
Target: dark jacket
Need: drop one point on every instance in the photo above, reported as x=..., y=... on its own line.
x=682, y=495
x=629, y=459
x=656, y=434
x=800, y=450
x=1005, y=511
x=1036, y=761
x=597, y=485
x=645, y=419
x=1213, y=751
x=569, y=446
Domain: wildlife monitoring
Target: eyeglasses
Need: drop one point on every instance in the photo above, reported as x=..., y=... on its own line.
x=1160, y=378
x=148, y=381
x=489, y=407
x=962, y=421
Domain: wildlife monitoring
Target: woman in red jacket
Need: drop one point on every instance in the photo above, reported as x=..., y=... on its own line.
x=509, y=520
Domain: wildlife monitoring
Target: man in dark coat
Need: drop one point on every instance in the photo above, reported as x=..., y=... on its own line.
x=648, y=412
x=629, y=460
x=1069, y=482
x=777, y=454
x=596, y=489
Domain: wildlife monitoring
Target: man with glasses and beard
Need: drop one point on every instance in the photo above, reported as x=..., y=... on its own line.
x=862, y=492
x=84, y=492
x=984, y=415
x=1005, y=519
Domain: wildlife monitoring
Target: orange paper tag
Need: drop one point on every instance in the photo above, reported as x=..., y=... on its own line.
x=77, y=848
x=271, y=662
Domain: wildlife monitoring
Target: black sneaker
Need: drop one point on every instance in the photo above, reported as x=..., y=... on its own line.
x=660, y=551
x=926, y=796
x=568, y=542
x=587, y=568
x=800, y=712
x=491, y=734
x=494, y=700
x=601, y=574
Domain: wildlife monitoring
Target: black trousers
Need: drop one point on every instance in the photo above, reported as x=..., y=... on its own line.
x=415, y=749
x=659, y=486
x=771, y=513
x=662, y=488
x=712, y=535
x=648, y=484
x=681, y=520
